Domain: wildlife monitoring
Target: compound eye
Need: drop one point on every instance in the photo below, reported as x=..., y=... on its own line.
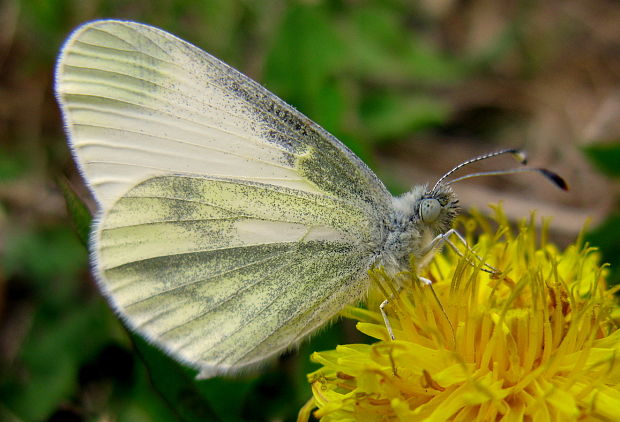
x=429, y=210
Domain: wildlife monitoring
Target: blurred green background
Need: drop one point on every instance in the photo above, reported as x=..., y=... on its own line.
x=413, y=87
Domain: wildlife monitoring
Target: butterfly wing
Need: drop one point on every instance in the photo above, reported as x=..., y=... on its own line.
x=230, y=225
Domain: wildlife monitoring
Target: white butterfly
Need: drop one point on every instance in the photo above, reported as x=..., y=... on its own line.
x=229, y=225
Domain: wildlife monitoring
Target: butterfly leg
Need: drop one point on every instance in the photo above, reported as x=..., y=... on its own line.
x=386, y=319
x=444, y=237
x=493, y=270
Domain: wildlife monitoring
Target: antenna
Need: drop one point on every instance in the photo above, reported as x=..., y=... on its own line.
x=555, y=178
x=517, y=153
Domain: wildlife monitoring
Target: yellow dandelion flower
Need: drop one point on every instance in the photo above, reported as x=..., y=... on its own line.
x=539, y=342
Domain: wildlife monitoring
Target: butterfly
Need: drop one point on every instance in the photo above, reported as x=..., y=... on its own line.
x=229, y=225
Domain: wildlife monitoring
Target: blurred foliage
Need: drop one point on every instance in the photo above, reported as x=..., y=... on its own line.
x=369, y=71
x=606, y=157
x=77, y=209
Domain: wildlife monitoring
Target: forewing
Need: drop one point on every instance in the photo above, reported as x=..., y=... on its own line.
x=139, y=102
x=223, y=273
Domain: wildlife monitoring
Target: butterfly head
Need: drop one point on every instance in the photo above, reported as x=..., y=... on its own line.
x=419, y=216
x=426, y=211
x=437, y=208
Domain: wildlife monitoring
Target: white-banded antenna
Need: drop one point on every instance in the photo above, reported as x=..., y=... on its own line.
x=517, y=153
x=555, y=178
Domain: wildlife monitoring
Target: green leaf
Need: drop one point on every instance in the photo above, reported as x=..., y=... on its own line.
x=305, y=54
x=50, y=360
x=12, y=165
x=393, y=116
x=80, y=215
x=43, y=254
x=174, y=383
x=605, y=156
x=227, y=395
x=384, y=47
x=606, y=237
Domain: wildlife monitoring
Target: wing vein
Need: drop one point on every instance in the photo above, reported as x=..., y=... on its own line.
x=210, y=278
x=179, y=92
x=337, y=202
x=258, y=344
x=256, y=141
x=198, y=251
x=151, y=150
x=228, y=299
x=165, y=170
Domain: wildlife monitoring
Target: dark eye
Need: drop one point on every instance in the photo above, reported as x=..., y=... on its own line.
x=429, y=210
